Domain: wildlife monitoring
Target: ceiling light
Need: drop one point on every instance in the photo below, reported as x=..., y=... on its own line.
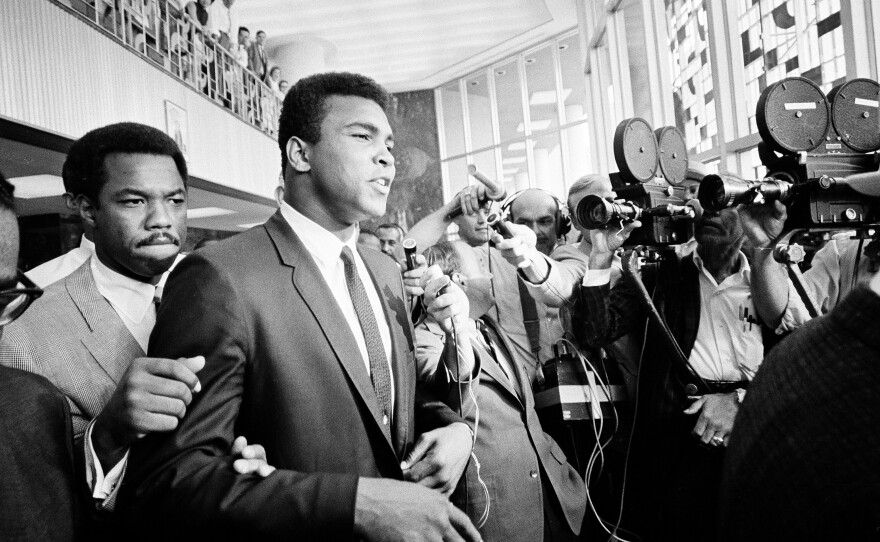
x=547, y=97
x=530, y=61
x=513, y=160
x=501, y=72
x=475, y=83
x=206, y=212
x=563, y=46
x=37, y=186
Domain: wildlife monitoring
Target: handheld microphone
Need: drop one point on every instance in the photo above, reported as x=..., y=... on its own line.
x=498, y=224
x=409, y=250
x=494, y=191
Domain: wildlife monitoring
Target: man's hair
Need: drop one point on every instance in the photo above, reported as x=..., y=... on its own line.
x=304, y=106
x=367, y=232
x=261, y=32
x=83, y=170
x=392, y=226
x=240, y=28
x=7, y=200
x=444, y=255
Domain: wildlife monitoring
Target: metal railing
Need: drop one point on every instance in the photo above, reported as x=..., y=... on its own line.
x=162, y=32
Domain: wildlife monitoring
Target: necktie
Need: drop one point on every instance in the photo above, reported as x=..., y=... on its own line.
x=380, y=373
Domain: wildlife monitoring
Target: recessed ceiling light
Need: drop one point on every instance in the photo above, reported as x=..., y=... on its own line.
x=563, y=46
x=475, y=83
x=530, y=61
x=501, y=72
x=206, y=212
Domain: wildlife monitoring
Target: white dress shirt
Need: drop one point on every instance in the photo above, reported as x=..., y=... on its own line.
x=325, y=248
x=56, y=269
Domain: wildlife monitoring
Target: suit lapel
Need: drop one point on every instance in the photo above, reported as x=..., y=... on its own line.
x=513, y=383
x=315, y=293
x=110, y=342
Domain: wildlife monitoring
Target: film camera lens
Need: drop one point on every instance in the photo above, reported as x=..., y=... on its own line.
x=596, y=212
x=717, y=193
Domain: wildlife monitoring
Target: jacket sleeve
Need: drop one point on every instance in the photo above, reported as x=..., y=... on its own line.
x=605, y=314
x=185, y=477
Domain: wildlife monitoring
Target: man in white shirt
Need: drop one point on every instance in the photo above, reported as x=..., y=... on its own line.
x=88, y=333
x=223, y=20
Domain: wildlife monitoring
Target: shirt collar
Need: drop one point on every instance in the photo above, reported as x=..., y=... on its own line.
x=85, y=243
x=129, y=296
x=742, y=274
x=321, y=243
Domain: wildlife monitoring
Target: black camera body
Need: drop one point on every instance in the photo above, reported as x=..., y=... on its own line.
x=812, y=146
x=651, y=182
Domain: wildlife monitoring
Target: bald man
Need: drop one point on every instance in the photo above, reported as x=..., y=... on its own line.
x=539, y=211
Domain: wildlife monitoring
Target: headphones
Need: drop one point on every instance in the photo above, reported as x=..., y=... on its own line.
x=563, y=220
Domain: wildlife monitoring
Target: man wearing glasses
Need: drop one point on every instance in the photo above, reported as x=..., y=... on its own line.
x=36, y=489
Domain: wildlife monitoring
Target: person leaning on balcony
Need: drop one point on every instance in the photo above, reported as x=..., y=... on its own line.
x=258, y=61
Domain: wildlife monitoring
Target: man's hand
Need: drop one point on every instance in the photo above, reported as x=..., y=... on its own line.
x=762, y=223
x=451, y=306
x=606, y=241
x=717, y=413
x=393, y=511
x=469, y=198
x=520, y=250
x=439, y=458
x=412, y=279
x=151, y=396
x=253, y=458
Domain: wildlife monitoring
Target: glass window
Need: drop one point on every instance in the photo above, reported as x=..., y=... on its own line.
x=546, y=152
x=580, y=161
x=750, y=166
x=479, y=111
x=515, y=168
x=693, y=93
x=790, y=38
x=485, y=162
x=453, y=118
x=508, y=95
x=574, y=92
x=457, y=173
x=541, y=86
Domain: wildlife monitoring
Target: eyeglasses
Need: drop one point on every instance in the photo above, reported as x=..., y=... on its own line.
x=15, y=301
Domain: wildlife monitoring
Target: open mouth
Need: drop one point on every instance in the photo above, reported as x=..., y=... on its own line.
x=384, y=182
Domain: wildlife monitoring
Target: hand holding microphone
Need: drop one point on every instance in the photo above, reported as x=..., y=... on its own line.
x=415, y=268
x=472, y=198
x=444, y=300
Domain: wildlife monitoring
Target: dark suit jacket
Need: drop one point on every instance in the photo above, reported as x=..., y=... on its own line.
x=37, y=492
x=283, y=369
x=804, y=457
x=516, y=456
x=258, y=63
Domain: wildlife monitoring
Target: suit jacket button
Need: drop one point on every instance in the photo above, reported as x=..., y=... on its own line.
x=533, y=473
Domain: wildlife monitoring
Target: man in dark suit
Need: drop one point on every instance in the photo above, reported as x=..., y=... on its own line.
x=692, y=381
x=258, y=62
x=804, y=459
x=309, y=349
x=531, y=492
x=37, y=487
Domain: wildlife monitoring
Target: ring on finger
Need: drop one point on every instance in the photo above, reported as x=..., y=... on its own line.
x=717, y=440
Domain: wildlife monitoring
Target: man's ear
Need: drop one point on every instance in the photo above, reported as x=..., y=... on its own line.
x=87, y=210
x=298, y=155
x=459, y=279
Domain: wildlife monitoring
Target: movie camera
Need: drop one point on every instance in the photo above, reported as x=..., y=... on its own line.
x=820, y=155
x=650, y=187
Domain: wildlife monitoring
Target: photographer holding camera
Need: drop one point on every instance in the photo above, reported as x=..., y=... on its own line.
x=716, y=325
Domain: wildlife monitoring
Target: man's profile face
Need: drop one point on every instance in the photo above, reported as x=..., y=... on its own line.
x=243, y=37
x=351, y=166
x=140, y=223
x=537, y=210
x=473, y=229
x=390, y=240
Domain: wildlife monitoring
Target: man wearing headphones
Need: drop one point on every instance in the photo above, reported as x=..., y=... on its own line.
x=541, y=212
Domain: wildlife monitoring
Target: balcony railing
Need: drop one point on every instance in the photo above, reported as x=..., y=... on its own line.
x=164, y=34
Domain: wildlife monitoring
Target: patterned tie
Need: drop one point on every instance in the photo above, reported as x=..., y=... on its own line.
x=380, y=373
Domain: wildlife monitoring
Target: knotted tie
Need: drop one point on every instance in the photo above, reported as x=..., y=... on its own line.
x=380, y=373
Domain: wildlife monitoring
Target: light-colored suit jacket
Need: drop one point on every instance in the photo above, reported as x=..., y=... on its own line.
x=73, y=337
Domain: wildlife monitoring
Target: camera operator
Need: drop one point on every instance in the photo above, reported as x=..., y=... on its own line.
x=689, y=395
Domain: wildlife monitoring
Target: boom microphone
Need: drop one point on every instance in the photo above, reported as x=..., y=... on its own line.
x=494, y=191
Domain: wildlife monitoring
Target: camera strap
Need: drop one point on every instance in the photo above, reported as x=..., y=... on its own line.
x=532, y=323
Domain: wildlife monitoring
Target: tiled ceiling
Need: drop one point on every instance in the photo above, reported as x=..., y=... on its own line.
x=409, y=44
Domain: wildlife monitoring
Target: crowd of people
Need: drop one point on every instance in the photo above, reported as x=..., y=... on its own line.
x=202, y=43
x=306, y=380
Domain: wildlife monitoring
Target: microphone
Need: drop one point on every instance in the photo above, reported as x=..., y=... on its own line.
x=409, y=250
x=494, y=191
